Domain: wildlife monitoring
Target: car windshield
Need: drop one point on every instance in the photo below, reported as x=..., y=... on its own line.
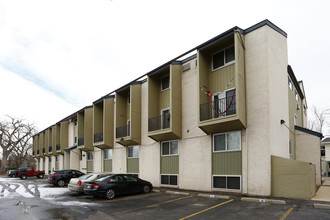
x=86, y=176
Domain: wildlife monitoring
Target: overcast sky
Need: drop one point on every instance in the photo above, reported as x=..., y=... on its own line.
x=59, y=56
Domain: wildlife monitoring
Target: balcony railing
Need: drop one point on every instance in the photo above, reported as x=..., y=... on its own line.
x=58, y=147
x=220, y=108
x=38, y=152
x=50, y=148
x=43, y=150
x=159, y=122
x=123, y=131
x=81, y=141
x=98, y=137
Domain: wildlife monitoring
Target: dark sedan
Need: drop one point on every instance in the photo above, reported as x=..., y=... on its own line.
x=62, y=177
x=117, y=184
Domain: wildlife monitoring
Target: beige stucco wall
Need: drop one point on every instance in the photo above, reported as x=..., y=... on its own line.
x=61, y=162
x=308, y=150
x=327, y=152
x=266, y=102
x=98, y=160
x=75, y=160
x=119, y=159
x=41, y=161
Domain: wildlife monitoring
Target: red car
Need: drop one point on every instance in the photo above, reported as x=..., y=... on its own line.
x=26, y=172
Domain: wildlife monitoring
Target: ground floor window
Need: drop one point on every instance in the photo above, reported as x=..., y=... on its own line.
x=108, y=154
x=169, y=179
x=90, y=155
x=227, y=182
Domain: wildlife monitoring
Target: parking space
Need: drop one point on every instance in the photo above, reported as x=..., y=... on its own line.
x=40, y=199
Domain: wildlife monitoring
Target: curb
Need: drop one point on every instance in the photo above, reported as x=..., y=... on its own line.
x=179, y=193
x=213, y=196
x=321, y=206
x=270, y=201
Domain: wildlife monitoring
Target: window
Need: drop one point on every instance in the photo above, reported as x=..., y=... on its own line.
x=227, y=141
x=50, y=160
x=130, y=178
x=227, y=182
x=224, y=57
x=90, y=155
x=75, y=122
x=296, y=95
x=170, y=148
x=169, y=180
x=290, y=83
x=129, y=98
x=165, y=82
x=290, y=148
x=108, y=154
x=322, y=151
x=295, y=119
x=56, y=158
x=165, y=118
x=75, y=139
x=133, y=152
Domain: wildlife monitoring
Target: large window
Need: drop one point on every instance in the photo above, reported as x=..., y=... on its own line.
x=133, y=152
x=170, y=148
x=165, y=82
x=223, y=57
x=108, y=154
x=227, y=182
x=169, y=179
x=230, y=141
x=90, y=155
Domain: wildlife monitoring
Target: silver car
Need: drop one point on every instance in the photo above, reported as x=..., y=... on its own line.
x=77, y=184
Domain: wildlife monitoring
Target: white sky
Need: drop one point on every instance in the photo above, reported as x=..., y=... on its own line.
x=59, y=56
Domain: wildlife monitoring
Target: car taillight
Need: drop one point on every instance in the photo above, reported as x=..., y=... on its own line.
x=54, y=176
x=95, y=185
x=79, y=183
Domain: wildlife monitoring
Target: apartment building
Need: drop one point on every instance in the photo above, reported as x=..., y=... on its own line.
x=228, y=115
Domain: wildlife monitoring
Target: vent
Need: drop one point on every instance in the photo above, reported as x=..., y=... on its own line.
x=186, y=67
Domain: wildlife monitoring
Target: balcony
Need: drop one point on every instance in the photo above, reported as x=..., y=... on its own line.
x=43, y=150
x=221, y=85
x=165, y=103
x=58, y=147
x=123, y=131
x=216, y=109
x=128, y=115
x=159, y=122
x=98, y=137
x=38, y=152
x=81, y=141
x=50, y=149
x=103, y=122
x=33, y=153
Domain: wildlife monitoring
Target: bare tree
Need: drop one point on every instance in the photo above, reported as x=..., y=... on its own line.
x=15, y=138
x=317, y=121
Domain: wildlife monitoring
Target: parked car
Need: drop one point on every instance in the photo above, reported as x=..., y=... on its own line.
x=117, y=184
x=62, y=177
x=77, y=184
x=13, y=173
x=26, y=172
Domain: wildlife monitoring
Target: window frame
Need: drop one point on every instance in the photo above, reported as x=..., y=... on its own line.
x=290, y=148
x=226, y=147
x=224, y=58
x=161, y=82
x=90, y=153
x=138, y=147
x=295, y=120
x=240, y=182
x=177, y=179
x=296, y=96
x=168, y=155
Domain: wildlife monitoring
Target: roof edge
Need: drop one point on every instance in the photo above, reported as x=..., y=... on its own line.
x=318, y=134
x=265, y=22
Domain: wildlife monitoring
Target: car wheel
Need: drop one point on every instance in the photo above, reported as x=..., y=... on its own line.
x=40, y=176
x=110, y=194
x=61, y=183
x=146, y=189
x=23, y=177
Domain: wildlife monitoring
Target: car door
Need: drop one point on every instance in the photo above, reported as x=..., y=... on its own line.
x=119, y=184
x=132, y=183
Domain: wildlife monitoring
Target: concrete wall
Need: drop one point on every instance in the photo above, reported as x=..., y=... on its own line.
x=267, y=103
x=292, y=179
x=308, y=150
x=98, y=160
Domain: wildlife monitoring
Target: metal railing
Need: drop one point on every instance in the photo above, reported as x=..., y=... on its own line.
x=43, y=150
x=159, y=122
x=98, y=137
x=81, y=141
x=50, y=148
x=38, y=152
x=220, y=108
x=123, y=131
x=58, y=147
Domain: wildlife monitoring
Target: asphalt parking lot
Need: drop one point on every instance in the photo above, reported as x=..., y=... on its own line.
x=35, y=199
